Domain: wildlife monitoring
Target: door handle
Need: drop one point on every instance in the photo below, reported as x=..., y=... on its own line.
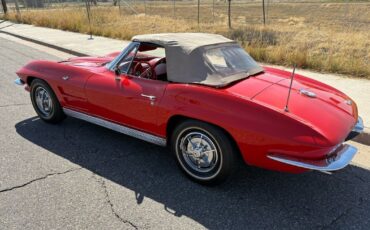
x=151, y=97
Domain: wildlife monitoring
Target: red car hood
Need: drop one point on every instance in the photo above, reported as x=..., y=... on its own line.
x=328, y=111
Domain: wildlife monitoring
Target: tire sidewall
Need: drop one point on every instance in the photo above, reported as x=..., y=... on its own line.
x=222, y=143
x=56, y=113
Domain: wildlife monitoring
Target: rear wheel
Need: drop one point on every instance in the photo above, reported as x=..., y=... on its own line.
x=204, y=152
x=45, y=102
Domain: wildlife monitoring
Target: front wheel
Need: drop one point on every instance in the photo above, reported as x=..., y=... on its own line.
x=45, y=102
x=204, y=152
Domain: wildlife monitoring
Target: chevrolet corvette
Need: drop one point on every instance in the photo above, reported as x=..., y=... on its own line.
x=204, y=97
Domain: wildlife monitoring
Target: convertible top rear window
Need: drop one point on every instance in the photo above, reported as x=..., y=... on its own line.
x=230, y=60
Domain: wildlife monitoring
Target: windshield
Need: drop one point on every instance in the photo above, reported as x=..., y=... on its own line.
x=230, y=60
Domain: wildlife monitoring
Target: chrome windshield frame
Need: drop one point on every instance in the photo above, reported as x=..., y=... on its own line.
x=111, y=65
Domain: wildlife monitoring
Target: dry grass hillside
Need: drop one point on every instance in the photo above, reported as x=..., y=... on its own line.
x=330, y=37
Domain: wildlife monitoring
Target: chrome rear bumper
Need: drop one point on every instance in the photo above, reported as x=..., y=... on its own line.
x=359, y=128
x=339, y=159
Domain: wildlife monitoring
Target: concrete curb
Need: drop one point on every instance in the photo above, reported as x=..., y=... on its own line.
x=363, y=138
x=69, y=51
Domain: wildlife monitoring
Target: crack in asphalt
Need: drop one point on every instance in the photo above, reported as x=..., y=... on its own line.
x=38, y=179
x=343, y=214
x=102, y=183
x=336, y=219
x=66, y=136
x=20, y=104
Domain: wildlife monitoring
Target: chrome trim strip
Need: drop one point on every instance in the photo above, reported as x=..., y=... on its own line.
x=18, y=81
x=116, y=127
x=359, y=127
x=115, y=61
x=342, y=157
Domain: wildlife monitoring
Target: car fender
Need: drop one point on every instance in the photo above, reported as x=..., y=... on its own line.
x=56, y=74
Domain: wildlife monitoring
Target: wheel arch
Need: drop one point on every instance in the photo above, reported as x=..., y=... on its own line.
x=175, y=120
x=30, y=79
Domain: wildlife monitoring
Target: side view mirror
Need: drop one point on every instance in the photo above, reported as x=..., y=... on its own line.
x=117, y=71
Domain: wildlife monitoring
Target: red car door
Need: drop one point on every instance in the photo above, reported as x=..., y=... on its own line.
x=69, y=86
x=127, y=100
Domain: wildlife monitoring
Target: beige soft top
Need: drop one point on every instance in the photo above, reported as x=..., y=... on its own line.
x=187, y=42
x=185, y=58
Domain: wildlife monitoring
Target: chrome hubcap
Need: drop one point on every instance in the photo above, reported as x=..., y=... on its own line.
x=199, y=152
x=43, y=101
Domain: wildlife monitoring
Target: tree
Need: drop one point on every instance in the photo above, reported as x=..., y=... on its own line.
x=5, y=8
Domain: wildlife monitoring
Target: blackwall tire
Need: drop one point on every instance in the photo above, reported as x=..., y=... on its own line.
x=45, y=102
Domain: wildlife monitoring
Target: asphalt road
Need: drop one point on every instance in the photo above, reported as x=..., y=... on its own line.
x=76, y=175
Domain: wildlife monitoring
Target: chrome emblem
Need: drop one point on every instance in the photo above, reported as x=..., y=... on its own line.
x=348, y=102
x=307, y=93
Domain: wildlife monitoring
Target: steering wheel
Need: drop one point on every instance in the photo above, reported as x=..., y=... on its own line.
x=147, y=71
x=142, y=70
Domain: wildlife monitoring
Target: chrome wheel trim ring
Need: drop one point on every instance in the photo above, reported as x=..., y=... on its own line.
x=43, y=101
x=184, y=158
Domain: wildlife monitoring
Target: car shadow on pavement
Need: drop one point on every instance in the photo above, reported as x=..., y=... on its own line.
x=255, y=198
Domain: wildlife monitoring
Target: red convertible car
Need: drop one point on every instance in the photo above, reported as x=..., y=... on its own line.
x=207, y=99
